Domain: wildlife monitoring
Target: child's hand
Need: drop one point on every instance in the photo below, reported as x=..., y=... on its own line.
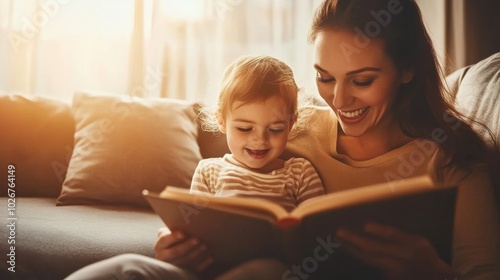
x=178, y=249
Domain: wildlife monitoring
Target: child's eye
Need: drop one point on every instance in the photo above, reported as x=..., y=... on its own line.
x=276, y=130
x=322, y=79
x=244, y=129
x=363, y=83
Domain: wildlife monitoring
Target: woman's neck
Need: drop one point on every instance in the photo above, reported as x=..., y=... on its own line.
x=371, y=144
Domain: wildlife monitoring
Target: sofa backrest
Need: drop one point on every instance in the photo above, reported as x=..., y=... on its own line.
x=37, y=139
x=212, y=144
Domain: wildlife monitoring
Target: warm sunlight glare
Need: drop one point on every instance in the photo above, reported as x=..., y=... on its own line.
x=185, y=10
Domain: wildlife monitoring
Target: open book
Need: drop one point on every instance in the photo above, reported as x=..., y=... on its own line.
x=236, y=229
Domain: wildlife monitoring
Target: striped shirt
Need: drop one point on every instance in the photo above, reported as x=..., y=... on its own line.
x=296, y=182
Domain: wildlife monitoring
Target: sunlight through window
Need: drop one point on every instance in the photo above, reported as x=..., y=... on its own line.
x=186, y=10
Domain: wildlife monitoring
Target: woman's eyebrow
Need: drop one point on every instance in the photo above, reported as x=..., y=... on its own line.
x=350, y=73
x=316, y=66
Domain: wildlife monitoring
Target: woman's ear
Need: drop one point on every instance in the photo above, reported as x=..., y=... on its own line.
x=407, y=75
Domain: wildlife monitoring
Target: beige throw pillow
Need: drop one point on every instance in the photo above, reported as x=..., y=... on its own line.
x=124, y=145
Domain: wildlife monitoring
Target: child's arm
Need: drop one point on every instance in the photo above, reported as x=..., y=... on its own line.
x=310, y=184
x=201, y=182
x=178, y=249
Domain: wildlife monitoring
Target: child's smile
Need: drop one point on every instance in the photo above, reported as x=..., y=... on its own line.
x=257, y=154
x=257, y=132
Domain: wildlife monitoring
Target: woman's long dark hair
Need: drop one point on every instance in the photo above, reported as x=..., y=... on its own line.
x=422, y=106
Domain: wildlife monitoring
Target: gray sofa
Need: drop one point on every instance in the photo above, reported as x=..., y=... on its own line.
x=53, y=236
x=65, y=215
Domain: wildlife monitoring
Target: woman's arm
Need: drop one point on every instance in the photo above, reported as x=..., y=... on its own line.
x=476, y=239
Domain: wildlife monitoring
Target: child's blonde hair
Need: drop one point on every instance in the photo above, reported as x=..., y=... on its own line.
x=254, y=79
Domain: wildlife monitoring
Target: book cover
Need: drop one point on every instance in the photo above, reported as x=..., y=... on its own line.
x=236, y=229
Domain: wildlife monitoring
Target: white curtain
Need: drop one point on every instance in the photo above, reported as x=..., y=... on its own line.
x=148, y=48
x=463, y=31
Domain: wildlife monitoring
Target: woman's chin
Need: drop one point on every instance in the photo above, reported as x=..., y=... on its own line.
x=349, y=130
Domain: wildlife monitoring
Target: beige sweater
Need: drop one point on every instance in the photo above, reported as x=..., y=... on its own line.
x=476, y=244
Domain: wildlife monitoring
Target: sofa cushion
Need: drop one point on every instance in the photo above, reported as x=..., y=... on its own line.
x=478, y=94
x=52, y=242
x=124, y=145
x=478, y=97
x=37, y=139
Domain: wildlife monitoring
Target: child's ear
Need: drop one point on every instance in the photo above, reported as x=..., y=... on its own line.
x=222, y=125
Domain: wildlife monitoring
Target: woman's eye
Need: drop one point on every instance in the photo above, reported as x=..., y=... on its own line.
x=244, y=129
x=363, y=83
x=322, y=79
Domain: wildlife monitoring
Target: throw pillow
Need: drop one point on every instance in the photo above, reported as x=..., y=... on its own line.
x=124, y=145
x=478, y=95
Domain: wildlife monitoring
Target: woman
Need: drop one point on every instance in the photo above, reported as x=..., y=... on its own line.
x=377, y=71
x=389, y=119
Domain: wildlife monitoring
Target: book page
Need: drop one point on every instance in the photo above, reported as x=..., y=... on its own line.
x=363, y=195
x=254, y=207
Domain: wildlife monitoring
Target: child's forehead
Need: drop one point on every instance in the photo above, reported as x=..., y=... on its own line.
x=274, y=110
x=272, y=102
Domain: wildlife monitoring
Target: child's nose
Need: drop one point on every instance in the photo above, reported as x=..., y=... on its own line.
x=260, y=137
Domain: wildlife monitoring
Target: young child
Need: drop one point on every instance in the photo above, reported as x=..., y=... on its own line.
x=256, y=110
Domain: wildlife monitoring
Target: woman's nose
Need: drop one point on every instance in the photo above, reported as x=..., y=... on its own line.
x=341, y=96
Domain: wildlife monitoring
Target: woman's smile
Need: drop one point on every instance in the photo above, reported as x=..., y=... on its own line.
x=353, y=116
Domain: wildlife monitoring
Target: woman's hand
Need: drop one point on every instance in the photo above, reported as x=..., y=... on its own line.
x=177, y=249
x=399, y=254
